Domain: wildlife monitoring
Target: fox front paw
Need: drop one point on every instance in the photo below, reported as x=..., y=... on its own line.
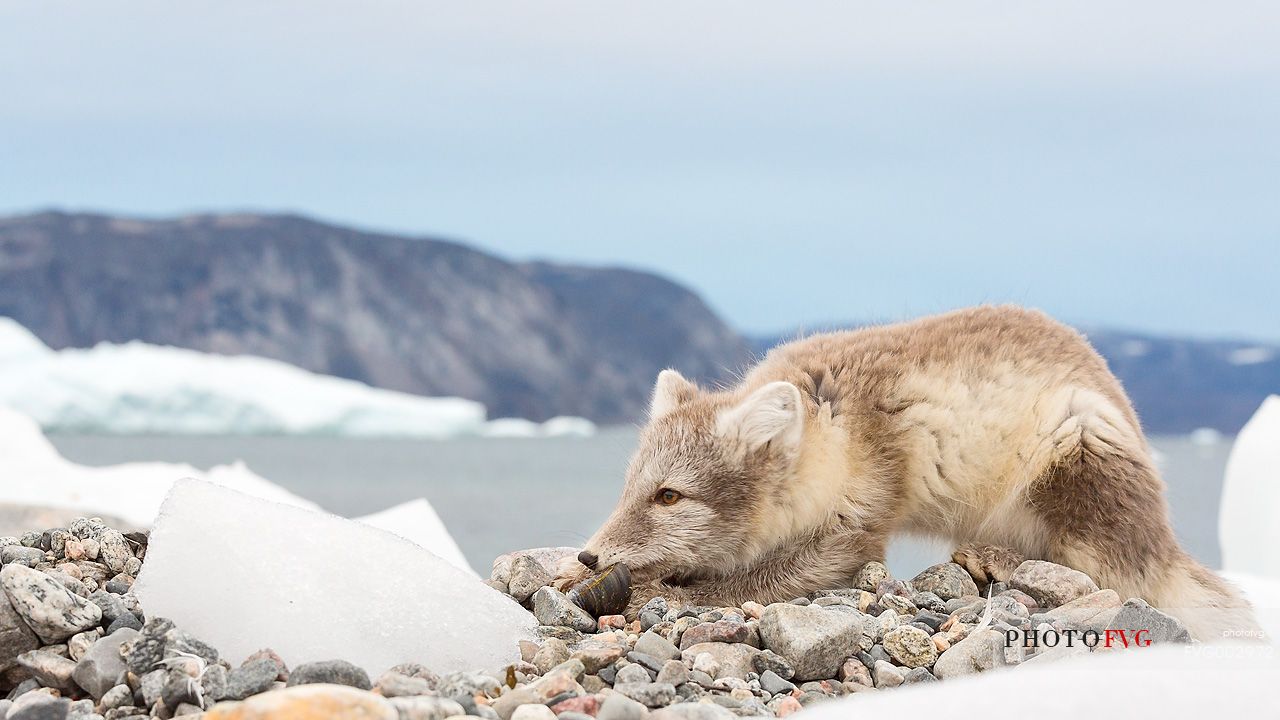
x=987, y=563
x=569, y=572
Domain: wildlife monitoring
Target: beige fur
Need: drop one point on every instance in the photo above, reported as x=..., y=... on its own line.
x=992, y=426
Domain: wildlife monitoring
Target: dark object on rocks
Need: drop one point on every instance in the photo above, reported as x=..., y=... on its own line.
x=338, y=672
x=606, y=594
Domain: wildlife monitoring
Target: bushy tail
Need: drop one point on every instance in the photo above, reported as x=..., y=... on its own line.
x=1211, y=608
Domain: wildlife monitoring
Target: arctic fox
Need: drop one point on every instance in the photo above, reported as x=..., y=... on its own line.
x=995, y=427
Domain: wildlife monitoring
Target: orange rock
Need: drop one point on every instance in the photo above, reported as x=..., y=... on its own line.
x=787, y=706
x=308, y=702
x=611, y=622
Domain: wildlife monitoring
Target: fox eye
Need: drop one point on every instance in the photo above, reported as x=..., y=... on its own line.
x=667, y=496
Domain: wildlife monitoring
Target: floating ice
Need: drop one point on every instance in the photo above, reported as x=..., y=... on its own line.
x=316, y=587
x=1247, y=527
x=417, y=522
x=141, y=388
x=34, y=474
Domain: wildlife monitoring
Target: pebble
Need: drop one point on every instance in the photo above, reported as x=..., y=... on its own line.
x=870, y=576
x=103, y=665
x=768, y=660
x=49, y=669
x=552, y=607
x=337, y=672
x=980, y=651
x=1137, y=615
x=673, y=672
x=553, y=652
x=1050, y=584
x=946, y=580
x=752, y=610
x=694, y=711
x=771, y=683
x=49, y=609
x=527, y=576
x=910, y=646
x=853, y=670
x=653, y=694
x=726, y=631
x=21, y=555
x=917, y=675
x=598, y=656
x=886, y=675
x=617, y=706
x=533, y=711
x=657, y=646
x=257, y=676
x=426, y=708
x=15, y=637
x=813, y=640
x=44, y=707
x=733, y=660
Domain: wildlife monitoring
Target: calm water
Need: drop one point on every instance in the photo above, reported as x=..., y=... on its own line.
x=498, y=494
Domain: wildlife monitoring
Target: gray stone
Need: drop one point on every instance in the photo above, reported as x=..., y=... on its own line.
x=553, y=652
x=946, y=580
x=1136, y=615
x=118, y=696
x=28, y=556
x=813, y=640
x=148, y=647
x=885, y=674
x=527, y=576
x=48, y=608
x=633, y=674
x=1050, y=584
x=337, y=672
x=770, y=661
x=103, y=666
x=870, y=576
x=552, y=607
x=910, y=646
x=731, y=660
x=918, y=675
x=617, y=706
x=772, y=684
x=982, y=650
x=180, y=642
x=40, y=708
x=15, y=637
x=651, y=643
x=673, y=672
x=251, y=678
x=126, y=621
x=653, y=694
x=898, y=604
x=179, y=689
x=50, y=670
x=426, y=708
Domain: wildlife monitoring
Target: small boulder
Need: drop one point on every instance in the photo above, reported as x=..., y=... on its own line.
x=1050, y=584
x=946, y=580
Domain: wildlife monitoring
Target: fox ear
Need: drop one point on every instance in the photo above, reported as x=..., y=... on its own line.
x=771, y=413
x=669, y=392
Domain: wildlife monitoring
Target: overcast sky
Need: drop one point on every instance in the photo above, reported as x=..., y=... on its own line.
x=797, y=163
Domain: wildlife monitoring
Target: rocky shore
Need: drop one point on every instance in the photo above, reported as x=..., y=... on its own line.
x=76, y=644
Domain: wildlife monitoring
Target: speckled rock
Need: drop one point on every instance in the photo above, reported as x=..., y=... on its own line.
x=910, y=646
x=980, y=651
x=552, y=607
x=1051, y=584
x=870, y=576
x=946, y=580
x=49, y=609
x=334, y=672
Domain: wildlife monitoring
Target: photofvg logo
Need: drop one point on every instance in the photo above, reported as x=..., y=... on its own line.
x=1047, y=637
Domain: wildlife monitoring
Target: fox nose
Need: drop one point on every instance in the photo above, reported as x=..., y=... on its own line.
x=588, y=558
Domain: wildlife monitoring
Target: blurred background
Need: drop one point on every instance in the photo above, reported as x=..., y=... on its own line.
x=216, y=216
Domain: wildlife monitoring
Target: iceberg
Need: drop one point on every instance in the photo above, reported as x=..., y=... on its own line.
x=1247, y=529
x=316, y=587
x=138, y=388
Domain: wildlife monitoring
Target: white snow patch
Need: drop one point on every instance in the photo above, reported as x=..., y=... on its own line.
x=1247, y=528
x=417, y=522
x=555, y=427
x=314, y=587
x=138, y=388
x=1251, y=355
x=1157, y=682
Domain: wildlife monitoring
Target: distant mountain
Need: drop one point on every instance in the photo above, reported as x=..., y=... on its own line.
x=421, y=315
x=1177, y=384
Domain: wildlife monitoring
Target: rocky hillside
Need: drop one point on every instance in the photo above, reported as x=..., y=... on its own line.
x=421, y=315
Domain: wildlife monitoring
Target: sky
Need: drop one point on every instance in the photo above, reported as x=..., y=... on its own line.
x=798, y=164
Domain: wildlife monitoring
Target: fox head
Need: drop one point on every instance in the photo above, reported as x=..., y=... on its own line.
x=709, y=469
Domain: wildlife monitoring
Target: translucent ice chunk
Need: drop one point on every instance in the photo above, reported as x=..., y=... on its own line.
x=242, y=573
x=417, y=522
